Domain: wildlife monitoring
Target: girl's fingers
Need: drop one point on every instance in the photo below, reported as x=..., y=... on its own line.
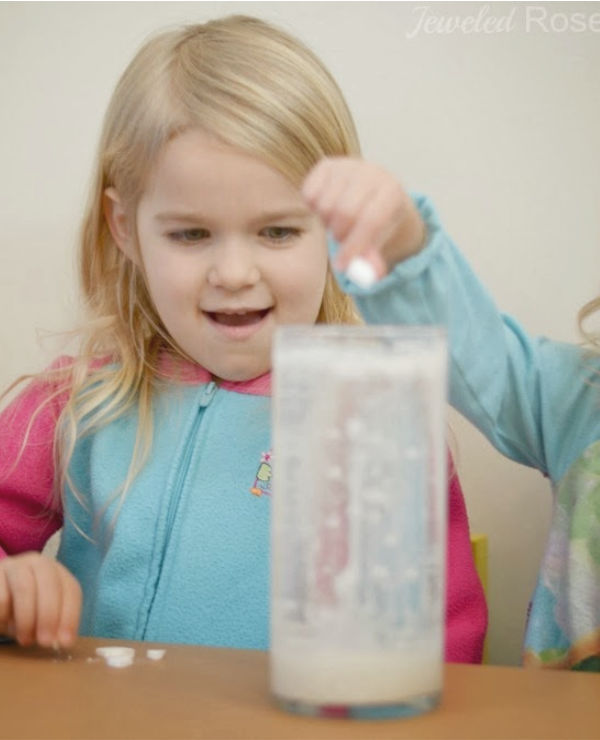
x=48, y=600
x=5, y=603
x=351, y=202
x=379, y=218
x=327, y=185
x=68, y=622
x=365, y=209
x=58, y=604
x=40, y=601
x=315, y=182
x=324, y=187
x=22, y=586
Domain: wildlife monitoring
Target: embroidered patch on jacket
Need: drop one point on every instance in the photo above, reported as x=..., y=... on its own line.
x=262, y=482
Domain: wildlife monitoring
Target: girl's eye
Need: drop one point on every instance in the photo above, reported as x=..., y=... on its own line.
x=279, y=233
x=189, y=236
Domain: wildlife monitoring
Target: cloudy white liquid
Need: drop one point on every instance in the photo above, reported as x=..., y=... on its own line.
x=322, y=677
x=358, y=517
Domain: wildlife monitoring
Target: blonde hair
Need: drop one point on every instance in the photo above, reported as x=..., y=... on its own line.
x=592, y=338
x=253, y=87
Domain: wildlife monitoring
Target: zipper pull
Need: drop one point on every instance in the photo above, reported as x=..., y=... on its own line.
x=207, y=394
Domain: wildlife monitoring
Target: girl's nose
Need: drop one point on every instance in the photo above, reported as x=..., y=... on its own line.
x=233, y=266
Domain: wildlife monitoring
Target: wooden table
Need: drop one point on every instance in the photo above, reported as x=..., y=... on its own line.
x=199, y=692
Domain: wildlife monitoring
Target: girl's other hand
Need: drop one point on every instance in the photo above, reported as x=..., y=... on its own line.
x=40, y=601
x=366, y=210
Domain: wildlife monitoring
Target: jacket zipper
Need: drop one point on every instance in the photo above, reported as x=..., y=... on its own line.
x=206, y=397
x=204, y=400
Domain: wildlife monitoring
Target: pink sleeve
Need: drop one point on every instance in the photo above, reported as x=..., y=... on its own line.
x=29, y=513
x=466, y=608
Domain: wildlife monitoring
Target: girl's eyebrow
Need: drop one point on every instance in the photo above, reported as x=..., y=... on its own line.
x=284, y=213
x=180, y=216
x=263, y=216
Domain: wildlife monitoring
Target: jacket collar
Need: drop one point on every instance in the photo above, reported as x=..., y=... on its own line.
x=185, y=371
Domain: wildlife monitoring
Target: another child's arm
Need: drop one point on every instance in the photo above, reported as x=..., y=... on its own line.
x=40, y=600
x=536, y=400
x=367, y=212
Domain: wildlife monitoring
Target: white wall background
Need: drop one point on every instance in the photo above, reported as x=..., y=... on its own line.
x=500, y=128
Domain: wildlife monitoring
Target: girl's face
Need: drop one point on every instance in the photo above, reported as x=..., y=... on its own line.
x=230, y=250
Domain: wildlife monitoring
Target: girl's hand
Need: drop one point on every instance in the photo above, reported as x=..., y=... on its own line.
x=40, y=601
x=367, y=211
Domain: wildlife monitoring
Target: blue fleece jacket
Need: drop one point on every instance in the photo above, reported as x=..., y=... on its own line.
x=195, y=523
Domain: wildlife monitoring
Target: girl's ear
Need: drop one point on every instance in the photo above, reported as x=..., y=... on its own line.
x=119, y=223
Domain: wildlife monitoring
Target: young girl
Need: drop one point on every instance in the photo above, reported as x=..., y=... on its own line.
x=151, y=447
x=536, y=400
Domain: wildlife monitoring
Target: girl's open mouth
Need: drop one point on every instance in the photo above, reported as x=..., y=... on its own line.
x=243, y=318
x=237, y=324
